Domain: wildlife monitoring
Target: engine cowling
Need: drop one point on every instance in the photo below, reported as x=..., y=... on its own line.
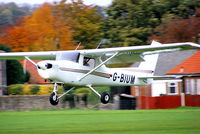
x=44, y=65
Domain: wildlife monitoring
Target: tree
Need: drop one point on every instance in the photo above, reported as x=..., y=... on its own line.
x=84, y=20
x=39, y=33
x=178, y=31
x=52, y=31
x=131, y=22
x=10, y=13
x=64, y=25
x=18, y=38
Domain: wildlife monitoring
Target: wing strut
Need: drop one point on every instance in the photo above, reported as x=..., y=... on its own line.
x=31, y=61
x=97, y=66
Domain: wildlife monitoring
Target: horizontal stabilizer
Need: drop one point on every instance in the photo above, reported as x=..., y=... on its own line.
x=161, y=77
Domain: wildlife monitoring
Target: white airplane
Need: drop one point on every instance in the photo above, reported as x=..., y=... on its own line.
x=88, y=67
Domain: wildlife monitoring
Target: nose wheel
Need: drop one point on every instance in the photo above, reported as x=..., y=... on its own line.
x=53, y=98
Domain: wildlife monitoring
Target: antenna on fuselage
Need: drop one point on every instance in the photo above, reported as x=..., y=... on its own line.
x=78, y=45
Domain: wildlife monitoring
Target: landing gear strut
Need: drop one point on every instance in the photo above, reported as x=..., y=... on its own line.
x=104, y=97
x=54, y=98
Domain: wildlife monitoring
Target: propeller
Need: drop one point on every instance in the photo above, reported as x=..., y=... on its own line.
x=44, y=65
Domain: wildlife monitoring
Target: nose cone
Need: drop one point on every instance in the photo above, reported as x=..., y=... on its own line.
x=44, y=65
x=45, y=69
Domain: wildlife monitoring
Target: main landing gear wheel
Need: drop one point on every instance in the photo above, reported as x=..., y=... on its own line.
x=53, y=99
x=105, y=97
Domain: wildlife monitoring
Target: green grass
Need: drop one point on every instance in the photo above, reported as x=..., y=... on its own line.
x=173, y=121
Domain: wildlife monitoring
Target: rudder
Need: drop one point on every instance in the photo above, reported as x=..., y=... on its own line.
x=150, y=60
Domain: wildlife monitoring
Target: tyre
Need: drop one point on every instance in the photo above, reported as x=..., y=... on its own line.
x=53, y=99
x=105, y=97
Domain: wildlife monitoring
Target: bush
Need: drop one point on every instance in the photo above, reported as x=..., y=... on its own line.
x=27, y=76
x=83, y=91
x=15, y=73
x=26, y=89
x=35, y=89
x=5, y=48
x=15, y=89
x=45, y=89
x=48, y=89
x=60, y=90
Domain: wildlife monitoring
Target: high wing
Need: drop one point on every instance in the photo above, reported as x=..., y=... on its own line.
x=136, y=53
x=122, y=54
x=32, y=55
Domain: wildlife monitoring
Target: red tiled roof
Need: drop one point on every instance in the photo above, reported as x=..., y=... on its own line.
x=35, y=78
x=189, y=66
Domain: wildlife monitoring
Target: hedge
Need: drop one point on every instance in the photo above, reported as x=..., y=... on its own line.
x=30, y=89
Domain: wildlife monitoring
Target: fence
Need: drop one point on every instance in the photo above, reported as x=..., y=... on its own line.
x=192, y=100
x=166, y=102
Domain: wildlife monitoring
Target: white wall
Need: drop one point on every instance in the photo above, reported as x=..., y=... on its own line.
x=160, y=86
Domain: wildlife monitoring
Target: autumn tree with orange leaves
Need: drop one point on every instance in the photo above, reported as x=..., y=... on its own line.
x=57, y=26
x=38, y=32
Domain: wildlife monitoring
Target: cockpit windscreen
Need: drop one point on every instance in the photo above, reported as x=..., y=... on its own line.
x=70, y=56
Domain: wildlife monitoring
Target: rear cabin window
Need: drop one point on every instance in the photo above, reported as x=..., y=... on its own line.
x=70, y=56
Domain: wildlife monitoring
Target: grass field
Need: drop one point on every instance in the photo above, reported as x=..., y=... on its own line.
x=174, y=121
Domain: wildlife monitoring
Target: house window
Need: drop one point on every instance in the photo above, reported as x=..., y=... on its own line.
x=172, y=88
x=187, y=86
x=198, y=86
x=192, y=86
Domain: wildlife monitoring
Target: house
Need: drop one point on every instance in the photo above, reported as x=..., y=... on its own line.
x=184, y=90
x=160, y=87
x=189, y=71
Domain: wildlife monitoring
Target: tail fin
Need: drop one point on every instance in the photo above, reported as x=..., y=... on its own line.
x=150, y=60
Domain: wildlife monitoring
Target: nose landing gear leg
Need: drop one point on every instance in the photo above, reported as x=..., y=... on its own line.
x=54, y=97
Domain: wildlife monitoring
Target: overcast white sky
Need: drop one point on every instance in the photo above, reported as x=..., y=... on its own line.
x=87, y=2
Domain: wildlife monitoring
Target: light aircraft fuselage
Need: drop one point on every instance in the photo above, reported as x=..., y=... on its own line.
x=70, y=72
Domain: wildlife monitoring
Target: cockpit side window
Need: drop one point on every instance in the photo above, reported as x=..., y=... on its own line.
x=89, y=62
x=70, y=56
